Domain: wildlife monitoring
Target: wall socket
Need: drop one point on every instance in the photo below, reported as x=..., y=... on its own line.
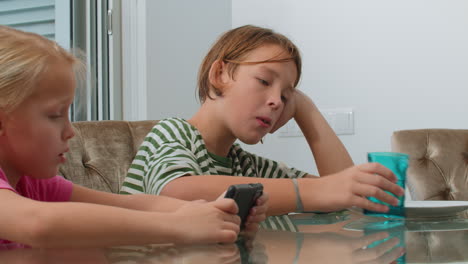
x=341, y=121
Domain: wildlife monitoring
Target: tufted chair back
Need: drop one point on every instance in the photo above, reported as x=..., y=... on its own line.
x=101, y=152
x=438, y=168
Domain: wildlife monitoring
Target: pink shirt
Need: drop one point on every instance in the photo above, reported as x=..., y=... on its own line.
x=56, y=189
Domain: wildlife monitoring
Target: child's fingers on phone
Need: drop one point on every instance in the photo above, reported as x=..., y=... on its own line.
x=251, y=227
x=228, y=236
x=231, y=226
x=262, y=199
x=259, y=209
x=232, y=219
x=256, y=218
x=221, y=196
x=226, y=205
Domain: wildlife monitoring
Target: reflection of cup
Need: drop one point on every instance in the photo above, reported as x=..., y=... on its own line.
x=395, y=229
x=397, y=163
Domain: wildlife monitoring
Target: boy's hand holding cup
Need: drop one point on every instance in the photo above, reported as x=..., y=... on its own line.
x=398, y=164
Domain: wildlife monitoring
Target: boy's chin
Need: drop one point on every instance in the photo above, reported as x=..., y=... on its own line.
x=251, y=141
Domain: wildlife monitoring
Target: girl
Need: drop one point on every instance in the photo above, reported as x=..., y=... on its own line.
x=247, y=88
x=37, y=85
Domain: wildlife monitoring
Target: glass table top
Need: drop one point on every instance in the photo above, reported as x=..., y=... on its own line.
x=339, y=237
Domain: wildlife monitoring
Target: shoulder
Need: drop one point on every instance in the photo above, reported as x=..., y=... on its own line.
x=173, y=129
x=52, y=189
x=171, y=133
x=5, y=185
x=54, y=182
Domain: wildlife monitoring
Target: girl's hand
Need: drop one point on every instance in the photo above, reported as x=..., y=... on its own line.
x=350, y=187
x=257, y=214
x=208, y=222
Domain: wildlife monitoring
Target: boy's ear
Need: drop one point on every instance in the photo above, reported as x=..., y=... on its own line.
x=218, y=76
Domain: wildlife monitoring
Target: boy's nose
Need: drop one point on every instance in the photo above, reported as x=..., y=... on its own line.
x=275, y=101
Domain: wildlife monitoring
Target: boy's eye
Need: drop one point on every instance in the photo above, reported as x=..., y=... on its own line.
x=263, y=82
x=284, y=99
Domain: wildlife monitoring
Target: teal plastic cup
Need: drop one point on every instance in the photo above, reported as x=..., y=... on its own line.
x=398, y=164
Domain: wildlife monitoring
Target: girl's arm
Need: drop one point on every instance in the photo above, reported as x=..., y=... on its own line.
x=158, y=203
x=142, y=202
x=74, y=224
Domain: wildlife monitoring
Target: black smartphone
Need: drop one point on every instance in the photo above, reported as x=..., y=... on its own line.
x=245, y=196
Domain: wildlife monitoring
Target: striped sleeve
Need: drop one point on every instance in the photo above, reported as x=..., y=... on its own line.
x=166, y=154
x=168, y=162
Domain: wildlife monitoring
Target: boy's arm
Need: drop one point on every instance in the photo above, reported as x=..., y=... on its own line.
x=74, y=224
x=329, y=152
x=208, y=187
x=346, y=189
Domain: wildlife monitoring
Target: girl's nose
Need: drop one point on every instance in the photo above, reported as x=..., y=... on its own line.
x=68, y=132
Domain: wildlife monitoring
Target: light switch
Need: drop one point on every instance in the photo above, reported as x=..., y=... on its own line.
x=341, y=120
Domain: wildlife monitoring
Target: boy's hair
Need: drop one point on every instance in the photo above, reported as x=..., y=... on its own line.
x=234, y=45
x=24, y=57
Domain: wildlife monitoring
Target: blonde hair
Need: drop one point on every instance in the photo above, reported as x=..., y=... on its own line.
x=234, y=45
x=24, y=58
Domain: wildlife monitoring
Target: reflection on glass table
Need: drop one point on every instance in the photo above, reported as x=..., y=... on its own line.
x=159, y=254
x=440, y=239
x=52, y=256
x=340, y=237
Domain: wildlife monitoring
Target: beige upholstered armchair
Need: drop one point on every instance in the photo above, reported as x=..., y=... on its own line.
x=438, y=168
x=101, y=152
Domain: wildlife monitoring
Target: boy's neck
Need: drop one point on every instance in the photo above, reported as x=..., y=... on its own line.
x=217, y=138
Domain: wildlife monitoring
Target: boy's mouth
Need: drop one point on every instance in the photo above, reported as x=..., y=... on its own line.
x=264, y=121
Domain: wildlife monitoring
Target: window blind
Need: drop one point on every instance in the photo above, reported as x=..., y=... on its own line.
x=36, y=16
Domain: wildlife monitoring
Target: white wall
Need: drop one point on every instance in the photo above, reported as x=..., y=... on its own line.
x=180, y=32
x=400, y=64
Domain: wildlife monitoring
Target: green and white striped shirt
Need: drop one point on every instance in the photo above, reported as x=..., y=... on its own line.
x=174, y=148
